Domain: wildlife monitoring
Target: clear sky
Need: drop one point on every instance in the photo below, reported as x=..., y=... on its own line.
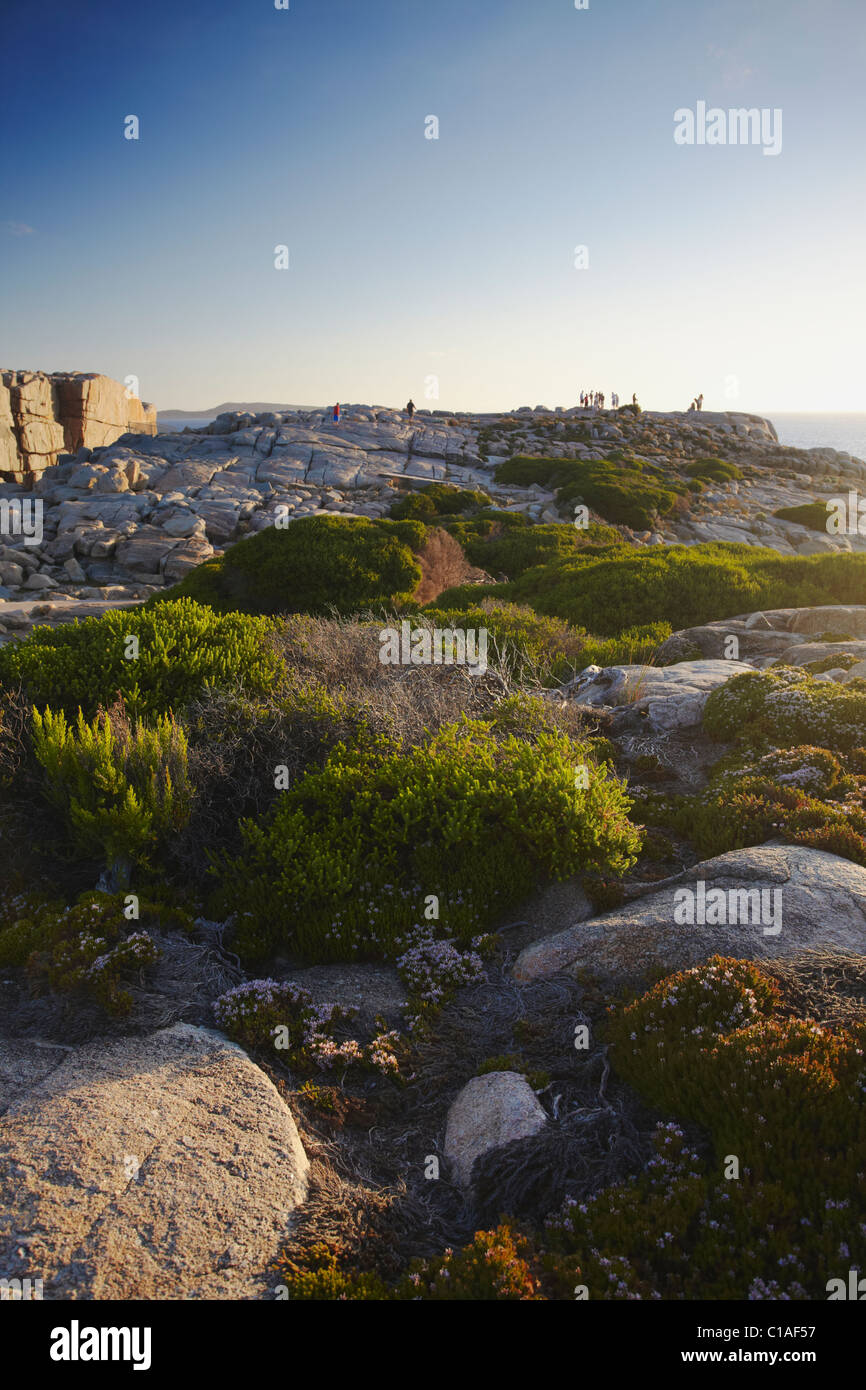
x=712, y=268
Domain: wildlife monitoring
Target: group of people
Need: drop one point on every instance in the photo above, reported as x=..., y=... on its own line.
x=410, y=411
x=589, y=400
x=698, y=402
x=594, y=400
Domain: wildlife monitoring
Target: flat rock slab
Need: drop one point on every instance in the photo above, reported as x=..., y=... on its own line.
x=159, y=1167
x=817, y=899
x=672, y=697
x=490, y=1111
x=848, y=619
x=819, y=651
x=23, y=1064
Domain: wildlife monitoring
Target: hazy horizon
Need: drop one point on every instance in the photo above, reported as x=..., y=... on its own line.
x=712, y=269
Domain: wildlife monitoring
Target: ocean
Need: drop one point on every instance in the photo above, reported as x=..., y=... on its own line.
x=811, y=431
x=194, y=422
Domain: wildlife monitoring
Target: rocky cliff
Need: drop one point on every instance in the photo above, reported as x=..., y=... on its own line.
x=43, y=415
x=123, y=519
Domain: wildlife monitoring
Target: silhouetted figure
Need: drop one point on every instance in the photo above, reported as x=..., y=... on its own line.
x=699, y=401
x=410, y=410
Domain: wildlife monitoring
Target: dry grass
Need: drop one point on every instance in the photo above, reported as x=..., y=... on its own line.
x=444, y=565
x=824, y=984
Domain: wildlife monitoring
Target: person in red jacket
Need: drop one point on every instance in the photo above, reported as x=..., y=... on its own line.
x=337, y=413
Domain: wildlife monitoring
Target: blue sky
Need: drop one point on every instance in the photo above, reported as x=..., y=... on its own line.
x=711, y=268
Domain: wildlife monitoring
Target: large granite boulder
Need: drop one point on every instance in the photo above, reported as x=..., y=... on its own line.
x=671, y=697
x=770, y=900
x=162, y=1167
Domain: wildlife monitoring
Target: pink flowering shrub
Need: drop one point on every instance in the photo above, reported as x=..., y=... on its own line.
x=775, y=1208
x=434, y=969
x=274, y=1014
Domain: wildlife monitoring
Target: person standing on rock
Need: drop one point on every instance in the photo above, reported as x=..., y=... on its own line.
x=337, y=413
x=410, y=410
x=699, y=401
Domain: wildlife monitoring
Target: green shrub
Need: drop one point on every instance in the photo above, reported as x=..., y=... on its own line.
x=546, y=649
x=314, y=565
x=843, y=662
x=513, y=550
x=437, y=499
x=347, y=861
x=685, y=586
x=810, y=514
x=771, y=1207
x=529, y=646
x=802, y=793
x=620, y=489
x=121, y=788
x=718, y=470
x=182, y=649
x=706, y=1044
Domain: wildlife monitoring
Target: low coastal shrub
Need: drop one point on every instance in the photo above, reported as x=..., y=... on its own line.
x=714, y=470
x=787, y=706
x=88, y=948
x=506, y=549
x=530, y=647
x=156, y=659
x=436, y=500
x=683, y=585
x=810, y=514
x=314, y=565
x=351, y=856
x=121, y=787
x=728, y=1210
x=493, y=1267
x=433, y=969
x=620, y=489
x=540, y=649
x=804, y=794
